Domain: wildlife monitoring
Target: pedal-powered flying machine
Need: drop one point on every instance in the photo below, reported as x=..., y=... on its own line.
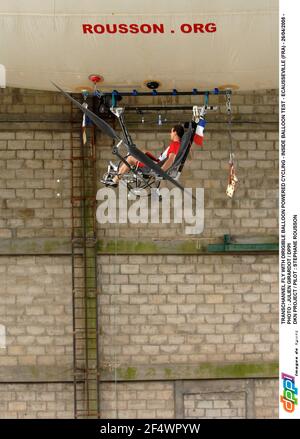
x=140, y=180
x=127, y=142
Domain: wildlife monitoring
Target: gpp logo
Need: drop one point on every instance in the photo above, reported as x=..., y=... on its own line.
x=288, y=399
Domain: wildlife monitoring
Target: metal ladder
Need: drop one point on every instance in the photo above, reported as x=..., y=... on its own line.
x=84, y=270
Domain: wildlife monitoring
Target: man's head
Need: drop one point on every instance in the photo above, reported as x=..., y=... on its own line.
x=176, y=132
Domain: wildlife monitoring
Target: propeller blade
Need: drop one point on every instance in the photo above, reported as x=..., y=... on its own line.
x=100, y=123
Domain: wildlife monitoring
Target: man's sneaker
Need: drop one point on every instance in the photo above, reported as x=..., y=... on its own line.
x=113, y=166
x=109, y=182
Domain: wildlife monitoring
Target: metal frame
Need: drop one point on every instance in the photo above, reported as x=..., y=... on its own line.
x=230, y=246
x=174, y=92
x=119, y=113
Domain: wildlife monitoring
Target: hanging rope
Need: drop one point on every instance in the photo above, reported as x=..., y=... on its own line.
x=232, y=178
x=229, y=113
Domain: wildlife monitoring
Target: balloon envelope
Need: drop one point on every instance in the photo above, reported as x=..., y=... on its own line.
x=181, y=44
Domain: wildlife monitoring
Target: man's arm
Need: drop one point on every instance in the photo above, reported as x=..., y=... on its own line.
x=169, y=162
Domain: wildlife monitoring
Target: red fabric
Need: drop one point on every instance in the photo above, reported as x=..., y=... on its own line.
x=173, y=148
x=149, y=154
x=140, y=164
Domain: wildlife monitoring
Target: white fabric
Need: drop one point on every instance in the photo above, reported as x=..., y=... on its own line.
x=43, y=40
x=164, y=155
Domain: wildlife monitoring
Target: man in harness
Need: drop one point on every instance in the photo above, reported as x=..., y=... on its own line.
x=166, y=159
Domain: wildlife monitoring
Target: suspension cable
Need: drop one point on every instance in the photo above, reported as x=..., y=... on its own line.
x=232, y=178
x=229, y=113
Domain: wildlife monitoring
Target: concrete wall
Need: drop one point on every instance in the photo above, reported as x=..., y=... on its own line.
x=189, y=309
x=223, y=399
x=153, y=309
x=36, y=310
x=165, y=319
